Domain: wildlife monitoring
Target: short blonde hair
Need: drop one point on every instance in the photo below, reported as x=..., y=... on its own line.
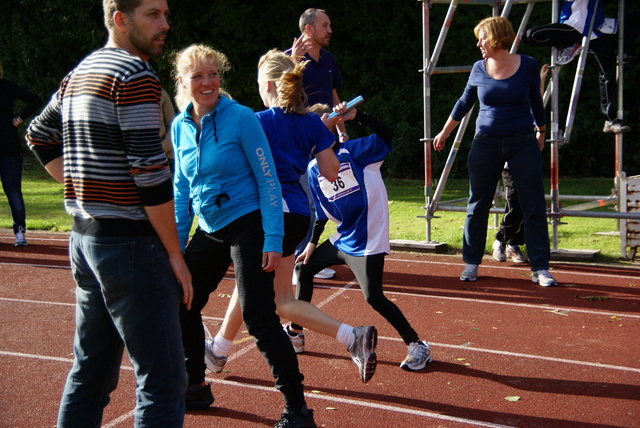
x=189, y=58
x=499, y=32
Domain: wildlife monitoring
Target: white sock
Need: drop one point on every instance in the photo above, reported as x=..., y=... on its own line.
x=345, y=335
x=221, y=346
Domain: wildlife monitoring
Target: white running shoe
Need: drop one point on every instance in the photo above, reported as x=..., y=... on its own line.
x=498, y=251
x=469, y=273
x=418, y=357
x=513, y=251
x=363, y=351
x=544, y=278
x=297, y=340
x=566, y=55
x=325, y=274
x=213, y=362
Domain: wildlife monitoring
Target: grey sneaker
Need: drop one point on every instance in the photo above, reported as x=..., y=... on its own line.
x=297, y=340
x=363, y=351
x=544, y=278
x=498, y=251
x=513, y=251
x=566, y=55
x=616, y=126
x=21, y=241
x=470, y=272
x=213, y=362
x=418, y=357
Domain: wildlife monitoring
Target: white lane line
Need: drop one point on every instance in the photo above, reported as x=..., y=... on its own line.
x=553, y=270
x=360, y=403
x=35, y=265
x=521, y=355
x=325, y=397
x=564, y=309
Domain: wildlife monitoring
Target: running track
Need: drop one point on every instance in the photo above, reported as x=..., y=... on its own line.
x=507, y=352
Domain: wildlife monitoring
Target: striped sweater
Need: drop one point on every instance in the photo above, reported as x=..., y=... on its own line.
x=105, y=119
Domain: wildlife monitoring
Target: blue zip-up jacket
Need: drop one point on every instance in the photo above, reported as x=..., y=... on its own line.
x=224, y=172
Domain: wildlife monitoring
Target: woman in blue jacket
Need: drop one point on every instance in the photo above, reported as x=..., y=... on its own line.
x=225, y=175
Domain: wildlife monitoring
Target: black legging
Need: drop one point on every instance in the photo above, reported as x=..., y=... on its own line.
x=368, y=271
x=208, y=256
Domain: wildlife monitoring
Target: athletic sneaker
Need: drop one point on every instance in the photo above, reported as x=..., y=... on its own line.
x=469, y=273
x=566, y=55
x=21, y=241
x=325, y=274
x=198, y=397
x=616, y=126
x=213, y=362
x=363, y=351
x=498, y=251
x=513, y=251
x=544, y=278
x=297, y=340
x=297, y=419
x=418, y=357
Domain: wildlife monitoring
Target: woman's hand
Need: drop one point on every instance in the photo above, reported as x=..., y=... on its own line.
x=440, y=141
x=271, y=261
x=306, y=254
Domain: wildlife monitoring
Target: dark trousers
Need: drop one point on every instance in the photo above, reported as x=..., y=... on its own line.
x=368, y=271
x=208, y=257
x=511, y=230
x=11, y=175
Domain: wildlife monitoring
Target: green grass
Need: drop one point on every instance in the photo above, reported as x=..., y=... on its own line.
x=43, y=198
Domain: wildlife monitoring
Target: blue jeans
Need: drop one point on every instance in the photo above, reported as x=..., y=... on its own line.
x=126, y=296
x=485, y=163
x=11, y=175
x=208, y=256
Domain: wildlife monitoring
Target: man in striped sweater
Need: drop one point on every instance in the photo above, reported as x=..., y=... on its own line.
x=99, y=135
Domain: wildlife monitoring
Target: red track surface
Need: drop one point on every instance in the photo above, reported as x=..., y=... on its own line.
x=570, y=353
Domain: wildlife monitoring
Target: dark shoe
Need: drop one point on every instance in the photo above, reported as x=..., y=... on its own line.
x=297, y=419
x=198, y=397
x=616, y=126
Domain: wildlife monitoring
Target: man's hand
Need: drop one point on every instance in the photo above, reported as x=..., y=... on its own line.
x=300, y=47
x=183, y=276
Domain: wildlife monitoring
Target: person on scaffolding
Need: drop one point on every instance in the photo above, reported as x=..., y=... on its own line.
x=566, y=35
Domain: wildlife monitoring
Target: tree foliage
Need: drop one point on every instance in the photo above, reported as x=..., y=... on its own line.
x=377, y=43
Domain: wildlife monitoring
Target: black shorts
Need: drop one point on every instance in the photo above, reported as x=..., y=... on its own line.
x=295, y=229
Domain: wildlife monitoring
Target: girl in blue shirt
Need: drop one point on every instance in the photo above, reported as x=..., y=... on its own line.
x=507, y=87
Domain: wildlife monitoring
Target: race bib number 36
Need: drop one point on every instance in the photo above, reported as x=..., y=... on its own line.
x=344, y=185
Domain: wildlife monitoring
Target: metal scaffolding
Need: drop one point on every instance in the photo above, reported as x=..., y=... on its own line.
x=627, y=214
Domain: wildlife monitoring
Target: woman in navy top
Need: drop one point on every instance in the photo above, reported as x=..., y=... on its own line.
x=507, y=87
